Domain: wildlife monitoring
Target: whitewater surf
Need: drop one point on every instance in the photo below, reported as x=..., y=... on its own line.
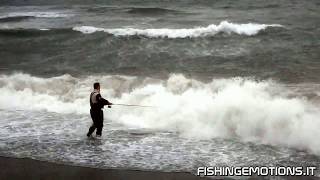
x=216, y=83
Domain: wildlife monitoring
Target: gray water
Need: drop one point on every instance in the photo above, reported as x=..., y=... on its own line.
x=235, y=83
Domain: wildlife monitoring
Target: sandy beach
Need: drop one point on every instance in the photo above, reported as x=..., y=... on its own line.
x=24, y=169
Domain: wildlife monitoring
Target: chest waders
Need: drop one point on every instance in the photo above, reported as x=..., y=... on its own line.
x=96, y=115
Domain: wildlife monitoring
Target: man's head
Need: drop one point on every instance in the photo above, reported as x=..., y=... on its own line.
x=96, y=86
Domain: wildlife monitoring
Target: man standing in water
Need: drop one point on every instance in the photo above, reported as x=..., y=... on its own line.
x=97, y=103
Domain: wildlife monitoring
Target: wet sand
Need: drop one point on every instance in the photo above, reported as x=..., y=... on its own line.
x=24, y=169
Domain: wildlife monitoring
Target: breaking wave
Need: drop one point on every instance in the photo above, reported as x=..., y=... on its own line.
x=260, y=112
x=19, y=16
x=249, y=29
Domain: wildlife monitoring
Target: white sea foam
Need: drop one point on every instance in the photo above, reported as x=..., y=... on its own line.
x=36, y=14
x=242, y=108
x=211, y=30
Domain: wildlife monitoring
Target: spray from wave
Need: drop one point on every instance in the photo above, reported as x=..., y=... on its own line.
x=230, y=108
x=211, y=30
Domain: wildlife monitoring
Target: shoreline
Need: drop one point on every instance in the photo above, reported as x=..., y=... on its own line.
x=25, y=168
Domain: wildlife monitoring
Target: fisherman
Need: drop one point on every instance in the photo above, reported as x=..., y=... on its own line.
x=97, y=103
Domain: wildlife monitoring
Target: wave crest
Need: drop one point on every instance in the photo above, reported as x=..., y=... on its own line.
x=249, y=29
x=19, y=16
x=15, y=18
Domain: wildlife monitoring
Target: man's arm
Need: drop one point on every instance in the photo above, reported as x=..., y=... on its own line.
x=102, y=100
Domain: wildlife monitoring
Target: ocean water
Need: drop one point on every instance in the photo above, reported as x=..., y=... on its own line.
x=232, y=83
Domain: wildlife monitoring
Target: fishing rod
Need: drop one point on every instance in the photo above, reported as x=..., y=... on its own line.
x=132, y=105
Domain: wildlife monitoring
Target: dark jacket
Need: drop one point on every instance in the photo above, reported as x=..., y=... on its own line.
x=97, y=102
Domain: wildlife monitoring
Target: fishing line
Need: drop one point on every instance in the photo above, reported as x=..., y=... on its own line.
x=132, y=105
